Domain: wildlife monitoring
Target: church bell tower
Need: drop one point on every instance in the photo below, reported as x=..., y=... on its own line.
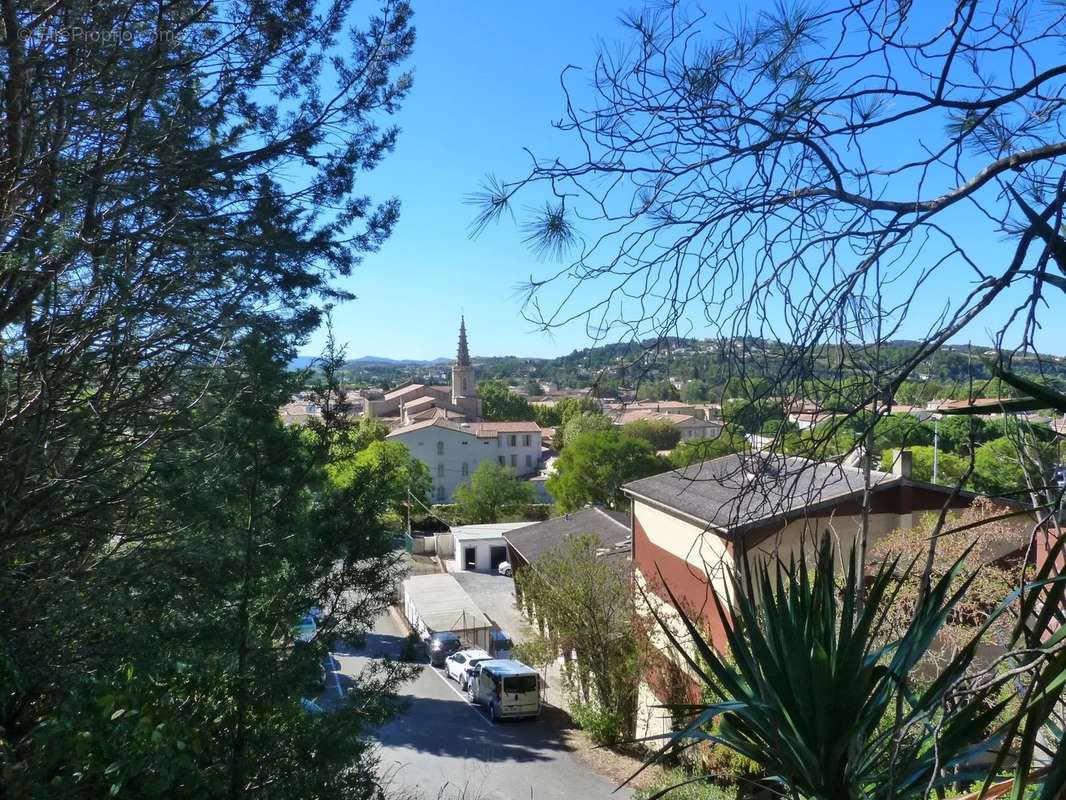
x=464, y=385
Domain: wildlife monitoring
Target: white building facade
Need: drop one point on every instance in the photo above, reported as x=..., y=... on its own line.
x=482, y=548
x=452, y=450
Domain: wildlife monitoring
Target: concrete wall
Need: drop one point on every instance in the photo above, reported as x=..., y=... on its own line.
x=651, y=720
x=444, y=544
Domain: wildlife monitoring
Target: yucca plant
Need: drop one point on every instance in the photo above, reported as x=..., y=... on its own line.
x=813, y=694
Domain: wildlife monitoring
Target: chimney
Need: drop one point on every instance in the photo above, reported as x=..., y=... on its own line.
x=901, y=464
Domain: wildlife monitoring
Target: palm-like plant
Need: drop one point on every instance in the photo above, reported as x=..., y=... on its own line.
x=813, y=694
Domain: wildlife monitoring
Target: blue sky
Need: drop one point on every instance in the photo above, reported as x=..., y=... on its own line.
x=486, y=85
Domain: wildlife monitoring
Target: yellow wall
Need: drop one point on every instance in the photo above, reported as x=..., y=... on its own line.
x=705, y=550
x=805, y=533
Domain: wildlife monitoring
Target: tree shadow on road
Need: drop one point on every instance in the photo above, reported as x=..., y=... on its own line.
x=453, y=729
x=380, y=645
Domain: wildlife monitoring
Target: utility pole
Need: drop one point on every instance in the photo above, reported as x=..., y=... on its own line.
x=936, y=445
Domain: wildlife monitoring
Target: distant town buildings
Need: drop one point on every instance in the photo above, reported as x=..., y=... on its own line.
x=416, y=402
x=446, y=433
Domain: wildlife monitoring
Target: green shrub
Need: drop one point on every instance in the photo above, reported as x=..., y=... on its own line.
x=603, y=727
x=525, y=512
x=723, y=762
x=536, y=652
x=703, y=789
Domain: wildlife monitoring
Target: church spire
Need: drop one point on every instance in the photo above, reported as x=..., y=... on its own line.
x=462, y=359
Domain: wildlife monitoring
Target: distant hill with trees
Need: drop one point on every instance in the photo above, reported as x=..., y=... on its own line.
x=704, y=370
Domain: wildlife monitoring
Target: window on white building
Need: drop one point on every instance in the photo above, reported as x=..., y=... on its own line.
x=465, y=469
x=527, y=440
x=514, y=459
x=440, y=470
x=529, y=460
x=440, y=494
x=440, y=448
x=503, y=461
x=512, y=440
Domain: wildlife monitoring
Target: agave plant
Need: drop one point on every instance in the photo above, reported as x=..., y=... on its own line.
x=811, y=692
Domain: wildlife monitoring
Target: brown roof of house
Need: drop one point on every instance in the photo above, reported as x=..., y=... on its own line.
x=429, y=423
x=428, y=400
x=658, y=404
x=492, y=428
x=482, y=429
x=403, y=390
x=432, y=412
x=991, y=403
x=653, y=416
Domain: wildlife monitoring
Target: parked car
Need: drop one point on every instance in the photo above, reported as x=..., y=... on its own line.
x=305, y=629
x=505, y=569
x=500, y=644
x=458, y=665
x=508, y=688
x=442, y=645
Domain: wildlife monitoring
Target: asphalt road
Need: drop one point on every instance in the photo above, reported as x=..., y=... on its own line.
x=443, y=747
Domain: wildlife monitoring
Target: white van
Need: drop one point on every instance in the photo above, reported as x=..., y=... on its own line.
x=509, y=688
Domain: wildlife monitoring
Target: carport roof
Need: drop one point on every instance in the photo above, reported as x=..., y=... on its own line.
x=443, y=604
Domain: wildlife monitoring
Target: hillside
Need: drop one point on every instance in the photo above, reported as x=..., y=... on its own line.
x=702, y=369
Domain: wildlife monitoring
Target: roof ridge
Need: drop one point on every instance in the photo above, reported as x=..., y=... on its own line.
x=612, y=519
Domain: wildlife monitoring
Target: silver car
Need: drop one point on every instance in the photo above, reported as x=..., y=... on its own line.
x=458, y=665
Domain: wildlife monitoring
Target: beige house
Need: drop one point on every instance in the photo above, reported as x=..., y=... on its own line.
x=690, y=427
x=690, y=526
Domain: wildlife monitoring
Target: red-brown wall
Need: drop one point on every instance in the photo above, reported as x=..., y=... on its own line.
x=661, y=568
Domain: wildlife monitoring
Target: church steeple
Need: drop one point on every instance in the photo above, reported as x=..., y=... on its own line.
x=464, y=383
x=462, y=358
